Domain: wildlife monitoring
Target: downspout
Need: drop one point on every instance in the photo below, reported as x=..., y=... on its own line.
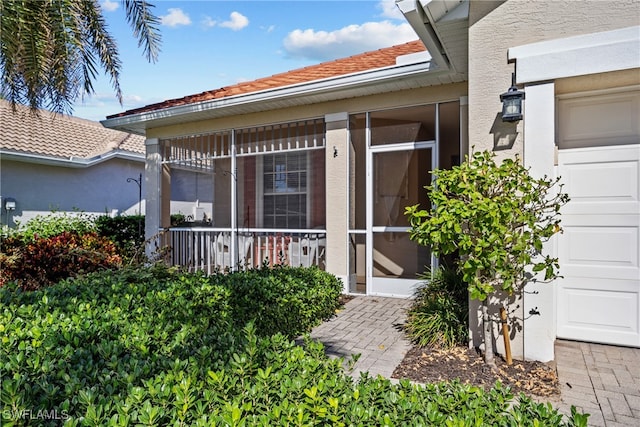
x=423, y=24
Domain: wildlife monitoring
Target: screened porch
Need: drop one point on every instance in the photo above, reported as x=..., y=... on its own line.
x=247, y=197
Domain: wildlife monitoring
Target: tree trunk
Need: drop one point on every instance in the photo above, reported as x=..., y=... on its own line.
x=488, y=335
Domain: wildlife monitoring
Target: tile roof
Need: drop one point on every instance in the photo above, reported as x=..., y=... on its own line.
x=358, y=63
x=60, y=136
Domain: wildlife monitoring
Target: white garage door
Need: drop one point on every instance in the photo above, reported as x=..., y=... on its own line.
x=599, y=296
x=598, y=160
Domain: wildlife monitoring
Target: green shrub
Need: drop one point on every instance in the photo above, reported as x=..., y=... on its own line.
x=43, y=261
x=127, y=232
x=439, y=314
x=55, y=223
x=153, y=346
x=283, y=300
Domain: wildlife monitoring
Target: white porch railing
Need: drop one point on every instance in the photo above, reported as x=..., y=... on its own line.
x=218, y=249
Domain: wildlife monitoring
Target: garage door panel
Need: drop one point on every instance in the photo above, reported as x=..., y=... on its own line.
x=599, y=220
x=599, y=249
x=601, y=182
x=614, y=250
x=593, y=310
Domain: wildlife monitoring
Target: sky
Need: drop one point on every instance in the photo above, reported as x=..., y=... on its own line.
x=209, y=44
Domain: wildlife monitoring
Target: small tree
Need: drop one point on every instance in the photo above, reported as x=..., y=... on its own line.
x=496, y=218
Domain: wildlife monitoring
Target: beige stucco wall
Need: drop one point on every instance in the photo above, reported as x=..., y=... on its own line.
x=337, y=178
x=494, y=28
x=497, y=26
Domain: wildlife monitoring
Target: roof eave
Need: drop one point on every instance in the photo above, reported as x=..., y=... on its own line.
x=71, y=162
x=297, y=94
x=429, y=18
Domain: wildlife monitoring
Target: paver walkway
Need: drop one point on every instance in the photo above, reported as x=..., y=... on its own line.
x=601, y=380
x=369, y=326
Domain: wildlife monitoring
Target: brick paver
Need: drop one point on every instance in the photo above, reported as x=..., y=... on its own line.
x=601, y=380
x=369, y=326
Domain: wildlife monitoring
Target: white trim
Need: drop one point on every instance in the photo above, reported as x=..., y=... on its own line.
x=403, y=146
x=579, y=55
x=539, y=151
x=71, y=162
x=136, y=123
x=422, y=22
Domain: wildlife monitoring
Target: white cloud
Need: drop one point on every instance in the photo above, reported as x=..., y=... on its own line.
x=109, y=5
x=209, y=22
x=236, y=22
x=350, y=40
x=389, y=9
x=175, y=17
x=268, y=29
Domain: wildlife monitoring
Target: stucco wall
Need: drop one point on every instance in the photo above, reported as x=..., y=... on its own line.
x=42, y=188
x=497, y=26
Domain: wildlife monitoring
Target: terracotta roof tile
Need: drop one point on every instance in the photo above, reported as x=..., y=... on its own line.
x=58, y=135
x=362, y=62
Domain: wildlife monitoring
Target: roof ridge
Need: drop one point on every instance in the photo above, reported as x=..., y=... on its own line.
x=44, y=114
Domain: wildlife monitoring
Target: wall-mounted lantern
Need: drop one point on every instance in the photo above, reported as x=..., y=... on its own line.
x=9, y=204
x=512, y=102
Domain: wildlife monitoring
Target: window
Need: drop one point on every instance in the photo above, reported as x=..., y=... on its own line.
x=285, y=190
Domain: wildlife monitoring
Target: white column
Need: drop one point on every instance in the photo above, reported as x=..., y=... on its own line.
x=539, y=148
x=157, y=196
x=337, y=195
x=153, y=183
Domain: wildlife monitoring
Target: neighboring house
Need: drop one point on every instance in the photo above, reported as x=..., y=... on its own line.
x=316, y=165
x=53, y=162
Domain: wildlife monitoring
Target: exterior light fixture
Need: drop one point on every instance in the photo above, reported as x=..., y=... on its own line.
x=512, y=102
x=9, y=204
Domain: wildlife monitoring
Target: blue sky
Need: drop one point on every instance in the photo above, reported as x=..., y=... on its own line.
x=209, y=44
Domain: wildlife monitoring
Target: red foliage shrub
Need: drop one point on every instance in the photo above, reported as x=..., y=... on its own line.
x=45, y=261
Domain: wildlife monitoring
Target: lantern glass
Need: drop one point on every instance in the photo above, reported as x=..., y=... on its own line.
x=512, y=105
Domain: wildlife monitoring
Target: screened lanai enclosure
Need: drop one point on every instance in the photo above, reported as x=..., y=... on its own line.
x=256, y=196
x=265, y=195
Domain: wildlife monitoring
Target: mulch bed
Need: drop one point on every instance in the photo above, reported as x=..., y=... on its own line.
x=425, y=365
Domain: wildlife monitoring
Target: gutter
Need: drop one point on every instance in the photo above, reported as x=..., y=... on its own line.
x=423, y=24
x=71, y=162
x=300, y=90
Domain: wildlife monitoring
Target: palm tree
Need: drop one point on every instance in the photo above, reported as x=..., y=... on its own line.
x=50, y=50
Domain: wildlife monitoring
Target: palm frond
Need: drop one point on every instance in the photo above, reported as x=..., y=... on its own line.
x=52, y=51
x=145, y=26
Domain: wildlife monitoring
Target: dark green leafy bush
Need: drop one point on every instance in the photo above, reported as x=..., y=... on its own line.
x=43, y=261
x=157, y=347
x=439, y=314
x=127, y=232
x=283, y=300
